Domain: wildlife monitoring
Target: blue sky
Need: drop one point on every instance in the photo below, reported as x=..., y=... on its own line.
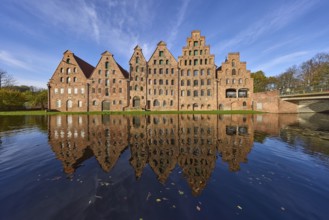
x=270, y=35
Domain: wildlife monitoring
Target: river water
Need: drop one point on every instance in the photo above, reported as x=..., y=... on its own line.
x=265, y=166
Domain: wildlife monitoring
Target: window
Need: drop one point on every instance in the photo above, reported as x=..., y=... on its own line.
x=74, y=79
x=233, y=63
x=75, y=69
x=167, y=82
x=113, y=90
x=114, y=102
x=58, y=103
x=120, y=89
x=195, y=73
x=155, y=71
x=208, y=72
x=160, y=53
x=172, y=82
x=137, y=59
x=195, y=43
x=208, y=82
x=62, y=79
x=208, y=92
x=188, y=82
x=79, y=104
x=69, y=104
x=233, y=81
x=182, y=93
x=107, y=82
x=160, y=62
x=182, y=72
x=188, y=72
x=68, y=80
x=200, y=52
x=56, y=90
x=230, y=93
x=233, y=72
x=99, y=81
x=136, y=69
x=195, y=93
x=94, y=103
x=171, y=102
x=227, y=81
x=99, y=90
x=68, y=60
x=136, y=88
x=202, y=82
x=164, y=103
x=172, y=92
x=167, y=70
x=106, y=92
x=62, y=90
x=160, y=92
x=182, y=82
x=161, y=71
x=195, y=83
x=62, y=70
x=195, y=62
x=107, y=73
x=167, y=62
x=155, y=82
x=202, y=92
x=172, y=71
x=82, y=90
x=185, y=62
x=244, y=104
x=106, y=65
x=69, y=91
x=188, y=93
x=156, y=103
x=240, y=81
x=113, y=80
x=195, y=53
x=93, y=90
x=155, y=92
x=75, y=90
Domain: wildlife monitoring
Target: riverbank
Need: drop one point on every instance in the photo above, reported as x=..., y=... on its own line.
x=8, y=113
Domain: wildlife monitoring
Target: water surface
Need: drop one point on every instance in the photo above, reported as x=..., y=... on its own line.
x=164, y=167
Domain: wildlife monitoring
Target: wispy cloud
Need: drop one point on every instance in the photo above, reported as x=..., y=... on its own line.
x=115, y=24
x=285, y=59
x=178, y=21
x=10, y=60
x=270, y=23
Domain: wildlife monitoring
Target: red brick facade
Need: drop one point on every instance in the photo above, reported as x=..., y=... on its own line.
x=161, y=83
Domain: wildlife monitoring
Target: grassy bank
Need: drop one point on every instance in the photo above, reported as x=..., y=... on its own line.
x=126, y=112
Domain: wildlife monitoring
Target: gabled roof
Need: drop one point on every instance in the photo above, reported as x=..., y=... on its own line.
x=86, y=68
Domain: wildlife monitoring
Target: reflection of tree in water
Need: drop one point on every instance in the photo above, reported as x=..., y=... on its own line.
x=162, y=141
x=8, y=123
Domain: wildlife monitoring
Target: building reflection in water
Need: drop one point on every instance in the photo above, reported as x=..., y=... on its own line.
x=161, y=141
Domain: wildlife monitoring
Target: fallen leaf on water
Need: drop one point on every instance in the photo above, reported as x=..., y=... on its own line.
x=239, y=207
x=148, y=196
x=198, y=208
x=158, y=200
x=174, y=206
x=283, y=209
x=180, y=192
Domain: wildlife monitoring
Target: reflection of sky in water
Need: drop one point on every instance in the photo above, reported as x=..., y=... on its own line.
x=164, y=167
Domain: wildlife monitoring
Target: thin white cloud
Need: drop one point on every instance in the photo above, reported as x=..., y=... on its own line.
x=270, y=23
x=178, y=21
x=10, y=60
x=285, y=59
x=114, y=24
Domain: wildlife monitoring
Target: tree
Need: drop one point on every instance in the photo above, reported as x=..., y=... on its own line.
x=37, y=99
x=11, y=99
x=260, y=81
x=6, y=79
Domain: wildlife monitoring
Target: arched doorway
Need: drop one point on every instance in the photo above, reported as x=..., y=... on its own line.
x=195, y=107
x=68, y=105
x=136, y=102
x=106, y=106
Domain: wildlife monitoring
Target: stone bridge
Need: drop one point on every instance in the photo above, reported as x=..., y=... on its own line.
x=309, y=102
x=275, y=102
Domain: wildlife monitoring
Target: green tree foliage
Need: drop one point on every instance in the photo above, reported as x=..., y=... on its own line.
x=11, y=99
x=37, y=99
x=260, y=81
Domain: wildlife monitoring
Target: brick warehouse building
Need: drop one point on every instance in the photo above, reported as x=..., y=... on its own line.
x=193, y=82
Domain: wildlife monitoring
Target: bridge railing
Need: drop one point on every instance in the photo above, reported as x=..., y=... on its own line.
x=304, y=90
